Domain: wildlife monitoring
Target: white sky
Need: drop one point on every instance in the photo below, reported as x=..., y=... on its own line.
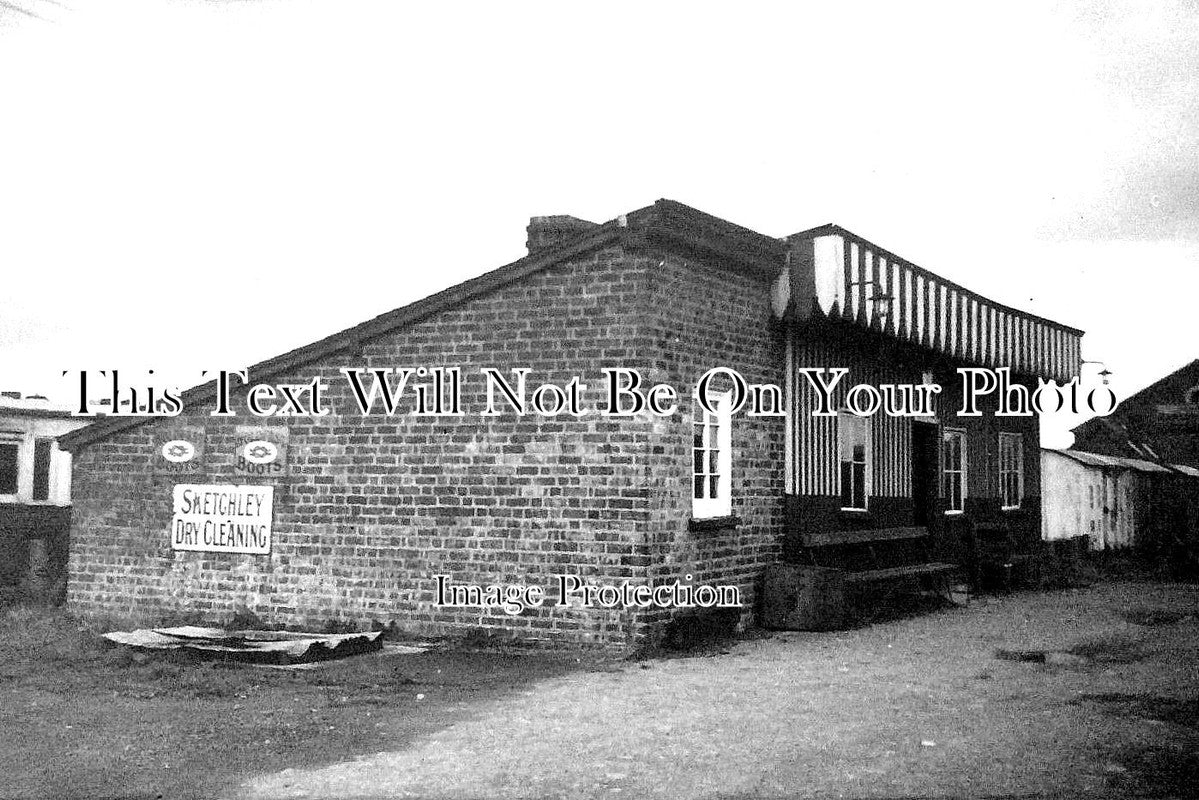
x=193, y=185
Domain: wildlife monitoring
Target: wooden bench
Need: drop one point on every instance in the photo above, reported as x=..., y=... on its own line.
x=827, y=593
x=997, y=558
x=857, y=552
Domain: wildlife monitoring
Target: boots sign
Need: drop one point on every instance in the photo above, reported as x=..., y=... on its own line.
x=179, y=450
x=260, y=451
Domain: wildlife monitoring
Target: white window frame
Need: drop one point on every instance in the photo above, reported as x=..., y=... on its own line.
x=844, y=417
x=1016, y=441
x=716, y=427
x=962, y=469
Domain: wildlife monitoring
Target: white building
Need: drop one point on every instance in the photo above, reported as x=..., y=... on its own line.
x=32, y=468
x=35, y=494
x=1117, y=502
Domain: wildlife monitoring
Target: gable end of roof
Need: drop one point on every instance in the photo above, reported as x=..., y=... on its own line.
x=666, y=224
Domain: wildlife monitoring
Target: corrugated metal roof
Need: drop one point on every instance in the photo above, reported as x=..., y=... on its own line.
x=1113, y=462
x=31, y=407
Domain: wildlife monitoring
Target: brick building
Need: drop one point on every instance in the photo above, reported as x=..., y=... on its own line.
x=368, y=509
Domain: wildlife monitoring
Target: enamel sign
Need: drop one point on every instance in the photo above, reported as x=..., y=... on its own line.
x=222, y=518
x=260, y=451
x=179, y=450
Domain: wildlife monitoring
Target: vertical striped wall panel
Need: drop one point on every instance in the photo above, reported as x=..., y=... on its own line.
x=812, y=443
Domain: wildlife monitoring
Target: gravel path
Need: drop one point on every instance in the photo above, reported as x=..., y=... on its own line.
x=915, y=708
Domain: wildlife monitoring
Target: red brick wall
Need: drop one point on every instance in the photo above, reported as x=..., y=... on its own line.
x=704, y=317
x=383, y=504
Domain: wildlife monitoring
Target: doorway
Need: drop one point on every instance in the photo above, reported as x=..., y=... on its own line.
x=925, y=468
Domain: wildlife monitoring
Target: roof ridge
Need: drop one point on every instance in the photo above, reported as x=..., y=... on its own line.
x=369, y=329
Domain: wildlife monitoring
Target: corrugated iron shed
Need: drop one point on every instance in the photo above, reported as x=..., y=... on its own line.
x=1114, y=462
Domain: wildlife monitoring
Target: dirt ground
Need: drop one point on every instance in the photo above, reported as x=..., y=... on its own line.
x=80, y=719
x=1077, y=693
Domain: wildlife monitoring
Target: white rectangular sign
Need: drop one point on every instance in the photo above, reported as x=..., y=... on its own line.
x=222, y=518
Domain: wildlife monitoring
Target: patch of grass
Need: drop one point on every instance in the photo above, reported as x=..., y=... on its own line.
x=481, y=639
x=698, y=634
x=1113, y=649
x=47, y=636
x=1159, y=771
x=170, y=619
x=699, y=630
x=1152, y=617
x=244, y=619
x=340, y=626
x=1033, y=656
x=1179, y=711
x=1124, y=566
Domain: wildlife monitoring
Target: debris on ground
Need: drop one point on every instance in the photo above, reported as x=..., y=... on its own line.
x=1053, y=658
x=388, y=649
x=273, y=647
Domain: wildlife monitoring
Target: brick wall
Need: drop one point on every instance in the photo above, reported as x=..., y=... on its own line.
x=376, y=506
x=705, y=317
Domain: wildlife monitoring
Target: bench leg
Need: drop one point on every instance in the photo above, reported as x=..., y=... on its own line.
x=946, y=586
x=945, y=583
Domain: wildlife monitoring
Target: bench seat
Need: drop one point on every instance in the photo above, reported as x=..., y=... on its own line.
x=911, y=570
x=833, y=589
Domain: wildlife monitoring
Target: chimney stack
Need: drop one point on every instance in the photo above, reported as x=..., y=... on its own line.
x=546, y=233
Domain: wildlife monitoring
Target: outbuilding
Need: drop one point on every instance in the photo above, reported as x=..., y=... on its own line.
x=1121, y=503
x=548, y=460
x=35, y=497
x=1109, y=499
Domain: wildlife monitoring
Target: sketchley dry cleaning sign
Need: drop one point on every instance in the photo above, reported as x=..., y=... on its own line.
x=222, y=518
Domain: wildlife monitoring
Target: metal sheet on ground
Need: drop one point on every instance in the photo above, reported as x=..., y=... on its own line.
x=285, y=646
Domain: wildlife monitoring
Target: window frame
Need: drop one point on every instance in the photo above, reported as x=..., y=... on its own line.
x=718, y=426
x=18, y=448
x=867, y=472
x=1009, y=469
x=962, y=469
x=48, y=474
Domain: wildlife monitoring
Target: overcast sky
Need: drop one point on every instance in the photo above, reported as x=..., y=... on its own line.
x=193, y=185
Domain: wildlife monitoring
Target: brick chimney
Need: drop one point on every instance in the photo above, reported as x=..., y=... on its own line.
x=546, y=233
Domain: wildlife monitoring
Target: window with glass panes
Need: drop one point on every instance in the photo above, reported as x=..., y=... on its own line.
x=712, y=460
x=1011, y=469
x=953, y=470
x=853, y=436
